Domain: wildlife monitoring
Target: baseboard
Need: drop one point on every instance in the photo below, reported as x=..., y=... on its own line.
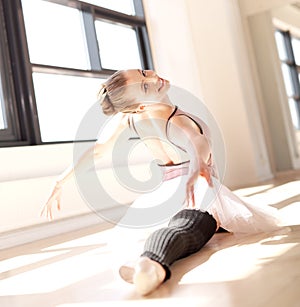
x=289, y=173
x=54, y=228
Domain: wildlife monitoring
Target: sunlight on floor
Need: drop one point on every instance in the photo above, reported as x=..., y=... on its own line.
x=20, y=262
x=72, y=266
x=272, y=195
x=70, y=271
x=291, y=214
x=90, y=240
x=253, y=190
x=237, y=262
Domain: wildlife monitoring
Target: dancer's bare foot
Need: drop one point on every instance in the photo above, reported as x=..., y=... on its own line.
x=147, y=275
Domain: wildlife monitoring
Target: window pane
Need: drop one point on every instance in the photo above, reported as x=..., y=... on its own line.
x=294, y=109
x=296, y=50
x=118, y=46
x=54, y=34
x=287, y=79
x=123, y=6
x=2, y=110
x=3, y=122
x=281, y=46
x=62, y=102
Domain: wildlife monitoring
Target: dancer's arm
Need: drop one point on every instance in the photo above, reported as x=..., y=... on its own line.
x=85, y=162
x=185, y=133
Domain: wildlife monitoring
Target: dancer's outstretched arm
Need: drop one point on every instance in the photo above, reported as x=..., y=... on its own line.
x=85, y=162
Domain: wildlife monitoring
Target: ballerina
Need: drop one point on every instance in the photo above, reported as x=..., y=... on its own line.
x=138, y=100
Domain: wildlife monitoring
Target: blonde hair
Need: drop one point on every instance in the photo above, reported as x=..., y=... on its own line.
x=111, y=95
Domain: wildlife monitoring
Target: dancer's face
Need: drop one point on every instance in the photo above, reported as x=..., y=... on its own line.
x=146, y=85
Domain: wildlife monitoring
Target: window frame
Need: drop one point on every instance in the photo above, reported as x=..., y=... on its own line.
x=11, y=132
x=24, y=108
x=294, y=69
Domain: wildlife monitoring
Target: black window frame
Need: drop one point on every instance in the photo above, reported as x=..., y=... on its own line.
x=12, y=115
x=22, y=108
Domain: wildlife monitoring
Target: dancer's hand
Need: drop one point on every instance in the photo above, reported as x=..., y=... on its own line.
x=203, y=171
x=55, y=197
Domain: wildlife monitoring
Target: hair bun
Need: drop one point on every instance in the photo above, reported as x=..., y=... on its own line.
x=105, y=102
x=107, y=106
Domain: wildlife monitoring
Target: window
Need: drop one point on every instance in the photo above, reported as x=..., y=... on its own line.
x=118, y=46
x=61, y=51
x=8, y=113
x=289, y=54
x=3, y=121
x=60, y=43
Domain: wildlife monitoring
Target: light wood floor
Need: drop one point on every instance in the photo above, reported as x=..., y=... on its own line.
x=79, y=269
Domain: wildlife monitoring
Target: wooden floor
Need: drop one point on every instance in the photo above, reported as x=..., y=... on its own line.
x=80, y=269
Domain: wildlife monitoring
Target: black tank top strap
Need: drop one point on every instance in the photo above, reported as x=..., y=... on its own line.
x=177, y=112
x=193, y=119
x=168, y=120
x=167, y=128
x=131, y=124
x=183, y=114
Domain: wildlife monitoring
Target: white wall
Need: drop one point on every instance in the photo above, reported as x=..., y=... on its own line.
x=34, y=161
x=172, y=43
x=251, y=7
x=288, y=18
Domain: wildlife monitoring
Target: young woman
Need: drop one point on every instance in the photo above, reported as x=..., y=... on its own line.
x=138, y=99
